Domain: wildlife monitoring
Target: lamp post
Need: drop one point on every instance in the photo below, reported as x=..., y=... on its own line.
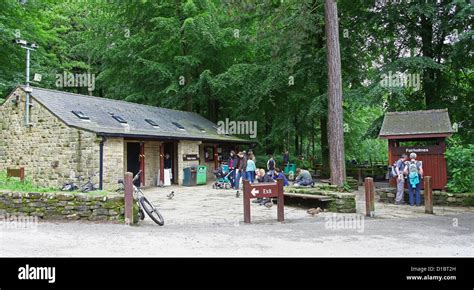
x=28, y=46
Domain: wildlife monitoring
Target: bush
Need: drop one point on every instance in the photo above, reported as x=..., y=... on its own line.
x=460, y=168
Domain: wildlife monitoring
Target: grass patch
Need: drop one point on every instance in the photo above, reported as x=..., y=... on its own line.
x=15, y=184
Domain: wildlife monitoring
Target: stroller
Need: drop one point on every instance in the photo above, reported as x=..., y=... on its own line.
x=223, y=180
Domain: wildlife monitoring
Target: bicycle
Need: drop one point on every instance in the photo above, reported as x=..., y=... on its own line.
x=88, y=186
x=144, y=204
x=72, y=186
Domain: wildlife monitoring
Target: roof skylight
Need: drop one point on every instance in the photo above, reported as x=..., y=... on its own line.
x=80, y=115
x=119, y=119
x=151, y=122
x=180, y=127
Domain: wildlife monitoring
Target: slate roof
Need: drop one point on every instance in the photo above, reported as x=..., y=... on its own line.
x=408, y=123
x=100, y=111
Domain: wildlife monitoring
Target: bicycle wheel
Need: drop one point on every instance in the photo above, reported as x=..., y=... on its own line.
x=141, y=214
x=151, y=210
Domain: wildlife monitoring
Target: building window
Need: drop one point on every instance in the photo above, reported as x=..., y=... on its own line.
x=202, y=130
x=180, y=127
x=153, y=123
x=80, y=115
x=119, y=119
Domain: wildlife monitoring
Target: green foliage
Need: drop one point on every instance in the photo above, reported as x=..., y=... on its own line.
x=460, y=161
x=15, y=184
x=260, y=61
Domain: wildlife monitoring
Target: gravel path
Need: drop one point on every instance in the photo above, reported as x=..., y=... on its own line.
x=200, y=221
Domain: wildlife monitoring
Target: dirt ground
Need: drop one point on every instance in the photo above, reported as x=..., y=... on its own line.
x=201, y=221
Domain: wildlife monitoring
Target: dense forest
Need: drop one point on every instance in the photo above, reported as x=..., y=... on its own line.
x=255, y=60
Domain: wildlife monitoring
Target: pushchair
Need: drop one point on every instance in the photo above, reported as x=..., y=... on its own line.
x=222, y=177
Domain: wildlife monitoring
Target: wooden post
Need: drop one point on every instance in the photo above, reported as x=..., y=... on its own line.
x=246, y=188
x=280, y=201
x=128, y=185
x=369, y=197
x=428, y=195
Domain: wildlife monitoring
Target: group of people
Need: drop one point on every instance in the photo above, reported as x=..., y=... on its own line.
x=412, y=171
x=242, y=165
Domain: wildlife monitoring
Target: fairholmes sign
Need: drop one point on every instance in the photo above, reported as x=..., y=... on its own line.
x=425, y=150
x=190, y=157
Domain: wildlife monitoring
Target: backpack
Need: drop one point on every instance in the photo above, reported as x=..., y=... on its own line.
x=413, y=174
x=392, y=172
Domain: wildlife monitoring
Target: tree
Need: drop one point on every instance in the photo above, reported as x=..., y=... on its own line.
x=335, y=113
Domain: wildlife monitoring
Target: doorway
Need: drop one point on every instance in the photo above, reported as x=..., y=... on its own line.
x=170, y=148
x=134, y=165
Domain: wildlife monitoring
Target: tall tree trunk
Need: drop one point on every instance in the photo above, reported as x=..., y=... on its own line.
x=323, y=122
x=429, y=83
x=335, y=113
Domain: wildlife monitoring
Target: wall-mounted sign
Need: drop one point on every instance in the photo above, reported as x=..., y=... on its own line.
x=420, y=150
x=190, y=157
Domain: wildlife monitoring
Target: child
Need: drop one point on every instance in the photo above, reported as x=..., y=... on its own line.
x=279, y=175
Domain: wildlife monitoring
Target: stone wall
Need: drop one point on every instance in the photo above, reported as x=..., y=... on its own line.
x=113, y=162
x=64, y=205
x=152, y=163
x=186, y=147
x=440, y=198
x=51, y=152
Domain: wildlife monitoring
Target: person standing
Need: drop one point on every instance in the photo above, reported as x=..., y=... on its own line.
x=250, y=169
x=399, y=166
x=271, y=166
x=241, y=169
x=286, y=159
x=414, y=171
x=231, y=168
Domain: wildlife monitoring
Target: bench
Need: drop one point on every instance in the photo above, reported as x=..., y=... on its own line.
x=20, y=173
x=309, y=196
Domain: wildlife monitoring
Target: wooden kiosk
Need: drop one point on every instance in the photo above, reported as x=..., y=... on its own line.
x=422, y=132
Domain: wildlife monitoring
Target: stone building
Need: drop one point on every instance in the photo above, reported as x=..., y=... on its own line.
x=71, y=135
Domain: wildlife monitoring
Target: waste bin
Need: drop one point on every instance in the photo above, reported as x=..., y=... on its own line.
x=201, y=174
x=190, y=176
x=290, y=167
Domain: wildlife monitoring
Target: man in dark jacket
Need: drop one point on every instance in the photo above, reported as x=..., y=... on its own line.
x=240, y=169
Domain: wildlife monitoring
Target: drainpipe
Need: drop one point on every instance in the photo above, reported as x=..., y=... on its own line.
x=28, y=89
x=101, y=162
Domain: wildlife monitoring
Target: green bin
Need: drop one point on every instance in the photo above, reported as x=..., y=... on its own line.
x=201, y=174
x=290, y=167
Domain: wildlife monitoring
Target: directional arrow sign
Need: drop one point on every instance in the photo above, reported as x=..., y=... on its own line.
x=254, y=191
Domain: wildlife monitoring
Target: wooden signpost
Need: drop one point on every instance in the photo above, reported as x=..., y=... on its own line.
x=264, y=190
